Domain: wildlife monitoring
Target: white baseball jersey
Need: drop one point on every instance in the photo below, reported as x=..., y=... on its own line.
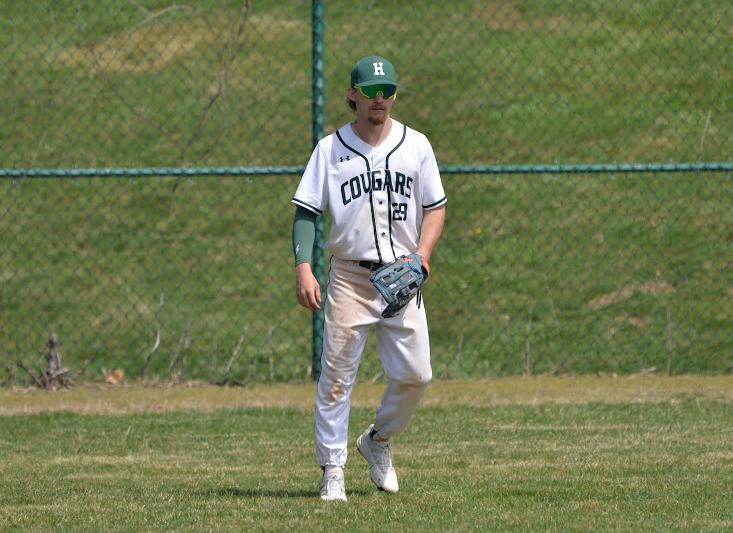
x=376, y=195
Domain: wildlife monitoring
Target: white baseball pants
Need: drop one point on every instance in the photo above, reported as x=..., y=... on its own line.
x=352, y=306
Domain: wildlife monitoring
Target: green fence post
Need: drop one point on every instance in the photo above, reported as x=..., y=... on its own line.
x=318, y=122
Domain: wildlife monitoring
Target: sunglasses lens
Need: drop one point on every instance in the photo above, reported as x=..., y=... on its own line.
x=371, y=91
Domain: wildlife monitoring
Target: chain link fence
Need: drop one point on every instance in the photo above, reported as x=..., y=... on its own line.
x=190, y=277
x=160, y=83
x=534, y=274
x=157, y=277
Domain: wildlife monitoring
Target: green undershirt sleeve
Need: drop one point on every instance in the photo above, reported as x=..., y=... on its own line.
x=304, y=235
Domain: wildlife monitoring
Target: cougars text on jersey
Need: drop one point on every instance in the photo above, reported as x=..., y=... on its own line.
x=376, y=180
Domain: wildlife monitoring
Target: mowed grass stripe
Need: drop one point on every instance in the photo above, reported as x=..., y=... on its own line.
x=639, y=465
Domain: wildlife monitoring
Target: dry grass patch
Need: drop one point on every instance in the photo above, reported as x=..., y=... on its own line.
x=141, y=398
x=507, y=16
x=149, y=48
x=654, y=287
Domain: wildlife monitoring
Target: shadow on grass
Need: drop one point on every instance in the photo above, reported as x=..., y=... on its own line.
x=236, y=492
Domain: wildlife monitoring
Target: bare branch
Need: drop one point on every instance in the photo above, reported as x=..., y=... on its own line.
x=456, y=357
x=31, y=374
x=141, y=8
x=149, y=354
x=112, y=85
x=150, y=16
x=528, y=344
x=87, y=363
x=238, y=348
x=182, y=348
x=232, y=47
x=270, y=354
x=214, y=353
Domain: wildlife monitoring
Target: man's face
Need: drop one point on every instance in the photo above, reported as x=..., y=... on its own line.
x=375, y=110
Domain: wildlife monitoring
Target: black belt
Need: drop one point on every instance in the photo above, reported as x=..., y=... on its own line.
x=370, y=265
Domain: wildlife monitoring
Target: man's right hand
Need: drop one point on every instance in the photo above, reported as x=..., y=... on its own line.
x=307, y=289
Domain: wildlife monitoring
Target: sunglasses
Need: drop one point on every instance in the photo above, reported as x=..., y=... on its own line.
x=371, y=91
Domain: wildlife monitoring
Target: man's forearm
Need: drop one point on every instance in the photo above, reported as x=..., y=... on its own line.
x=304, y=234
x=430, y=231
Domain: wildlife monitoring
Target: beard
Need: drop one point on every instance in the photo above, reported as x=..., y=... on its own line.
x=378, y=119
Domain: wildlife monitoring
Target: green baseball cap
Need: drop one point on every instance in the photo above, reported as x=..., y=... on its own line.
x=373, y=70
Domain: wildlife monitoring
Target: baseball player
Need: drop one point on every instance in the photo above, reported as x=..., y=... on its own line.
x=379, y=179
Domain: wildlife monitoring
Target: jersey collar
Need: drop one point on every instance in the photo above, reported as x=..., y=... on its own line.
x=394, y=137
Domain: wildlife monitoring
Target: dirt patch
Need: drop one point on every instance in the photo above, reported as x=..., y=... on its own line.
x=657, y=286
x=141, y=398
x=637, y=321
x=145, y=50
x=506, y=16
x=152, y=47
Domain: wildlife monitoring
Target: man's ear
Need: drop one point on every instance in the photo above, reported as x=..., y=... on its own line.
x=351, y=94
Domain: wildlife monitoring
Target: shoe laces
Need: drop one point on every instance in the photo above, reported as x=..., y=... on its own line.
x=333, y=485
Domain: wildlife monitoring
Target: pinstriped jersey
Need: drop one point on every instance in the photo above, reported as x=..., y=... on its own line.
x=376, y=194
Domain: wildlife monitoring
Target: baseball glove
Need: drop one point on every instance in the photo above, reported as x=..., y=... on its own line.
x=399, y=282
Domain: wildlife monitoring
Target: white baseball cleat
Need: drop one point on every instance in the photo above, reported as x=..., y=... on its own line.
x=333, y=487
x=379, y=457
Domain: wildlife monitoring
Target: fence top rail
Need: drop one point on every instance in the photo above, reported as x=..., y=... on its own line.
x=132, y=172
x=597, y=168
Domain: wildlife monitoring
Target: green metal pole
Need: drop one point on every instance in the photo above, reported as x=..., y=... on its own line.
x=319, y=99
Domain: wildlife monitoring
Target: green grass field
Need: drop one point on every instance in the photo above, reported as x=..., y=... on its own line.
x=155, y=84
x=545, y=454
x=545, y=274
x=567, y=274
x=535, y=273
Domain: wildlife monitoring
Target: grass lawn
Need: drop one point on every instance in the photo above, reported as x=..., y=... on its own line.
x=539, y=454
x=154, y=83
x=174, y=278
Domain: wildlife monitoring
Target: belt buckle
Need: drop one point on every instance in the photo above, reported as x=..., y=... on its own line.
x=370, y=265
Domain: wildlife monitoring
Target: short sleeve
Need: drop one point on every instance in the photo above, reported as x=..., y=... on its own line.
x=433, y=194
x=311, y=192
